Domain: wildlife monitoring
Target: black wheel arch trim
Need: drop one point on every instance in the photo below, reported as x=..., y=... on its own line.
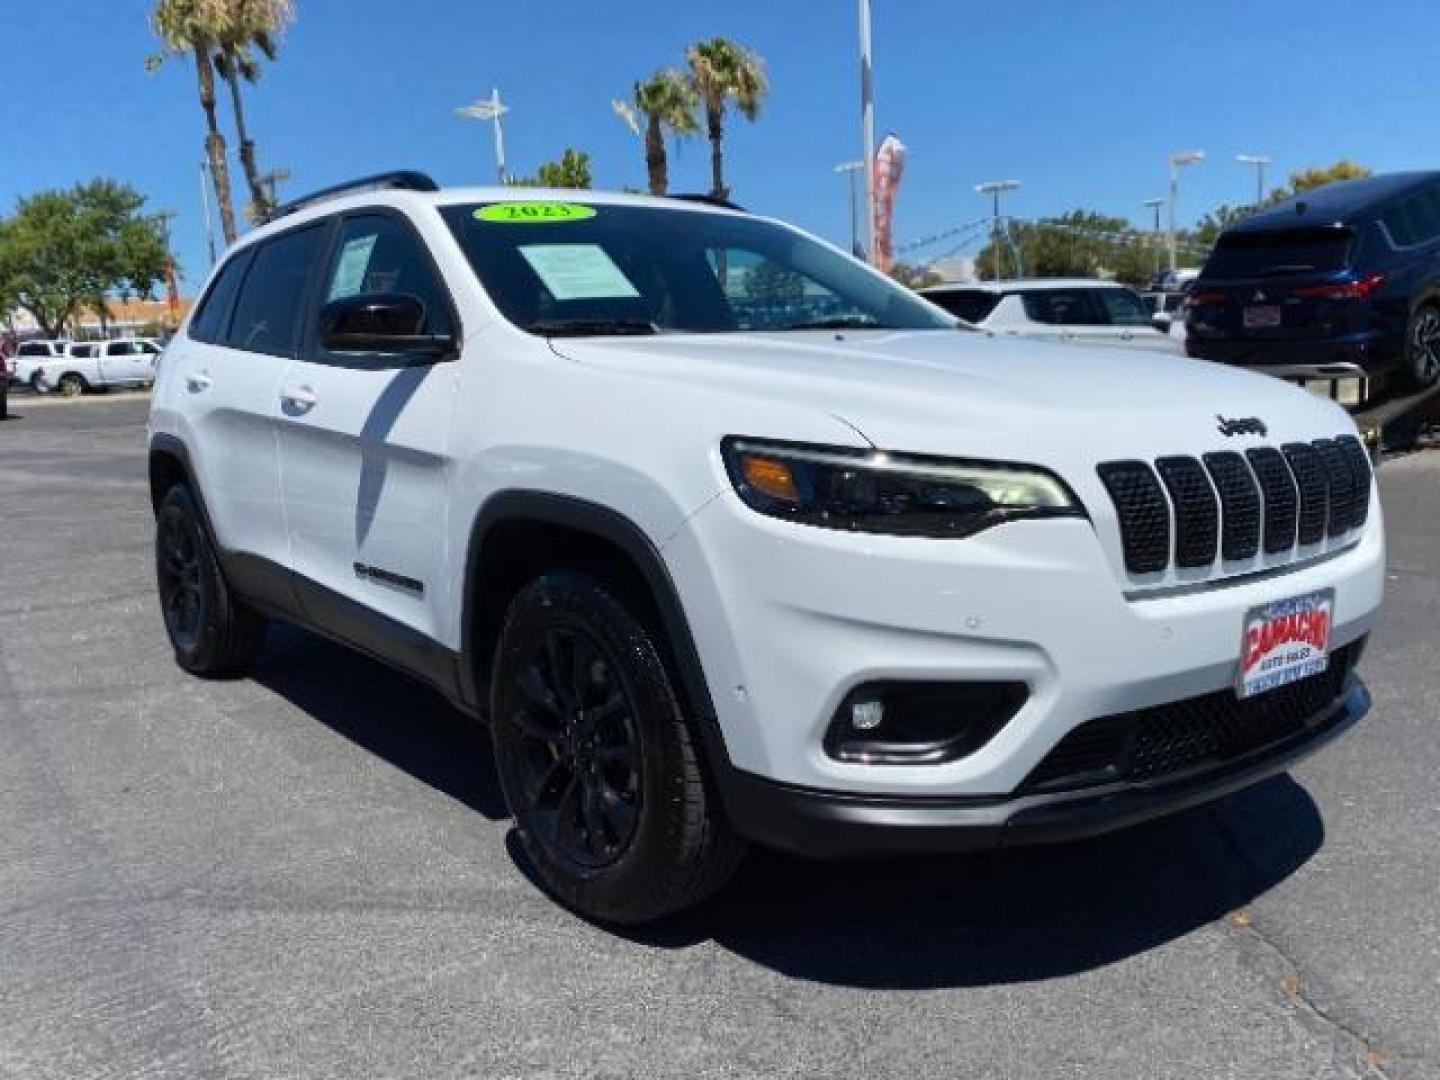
x=572, y=512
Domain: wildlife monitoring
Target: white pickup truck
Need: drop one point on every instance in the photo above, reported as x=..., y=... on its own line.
x=94, y=365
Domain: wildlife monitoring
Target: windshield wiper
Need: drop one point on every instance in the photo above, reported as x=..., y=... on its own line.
x=838, y=323
x=591, y=327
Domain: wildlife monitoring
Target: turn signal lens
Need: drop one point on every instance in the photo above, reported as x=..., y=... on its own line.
x=771, y=477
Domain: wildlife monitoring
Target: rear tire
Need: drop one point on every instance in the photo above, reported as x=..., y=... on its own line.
x=597, y=759
x=212, y=631
x=1422, y=348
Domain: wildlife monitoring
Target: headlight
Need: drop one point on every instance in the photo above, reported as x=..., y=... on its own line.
x=878, y=492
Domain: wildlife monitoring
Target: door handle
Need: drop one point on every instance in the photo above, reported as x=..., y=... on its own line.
x=198, y=381
x=302, y=397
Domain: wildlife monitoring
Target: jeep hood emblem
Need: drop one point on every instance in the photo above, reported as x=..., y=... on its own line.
x=1244, y=425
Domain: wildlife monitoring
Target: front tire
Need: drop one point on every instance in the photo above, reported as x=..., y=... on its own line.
x=212, y=631
x=1422, y=348
x=72, y=385
x=598, y=762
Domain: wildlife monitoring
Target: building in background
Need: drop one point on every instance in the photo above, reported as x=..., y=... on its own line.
x=123, y=318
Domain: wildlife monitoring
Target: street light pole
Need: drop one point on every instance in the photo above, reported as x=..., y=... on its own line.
x=1155, y=205
x=996, y=188
x=867, y=124
x=205, y=207
x=850, y=168
x=491, y=109
x=1177, y=161
x=1259, y=162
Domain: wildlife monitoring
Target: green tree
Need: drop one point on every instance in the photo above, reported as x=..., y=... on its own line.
x=723, y=71
x=249, y=29
x=1209, y=227
x=571, y=171
x=667, y=103
x=769, y=283
x=915, y=277
x=1079, y=243
x=194, y=28
x=66, y=250
x=1319, y=175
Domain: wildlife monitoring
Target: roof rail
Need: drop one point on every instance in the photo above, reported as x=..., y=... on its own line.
x=401, y=179
x=708, y=200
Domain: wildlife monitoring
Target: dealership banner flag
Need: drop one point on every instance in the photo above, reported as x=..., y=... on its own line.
x=889, y=166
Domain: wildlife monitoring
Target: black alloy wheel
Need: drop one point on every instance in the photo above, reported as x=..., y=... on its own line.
x=580, y=748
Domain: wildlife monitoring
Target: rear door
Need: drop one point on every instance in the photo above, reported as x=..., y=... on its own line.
x=363, y=442
x=228, y=370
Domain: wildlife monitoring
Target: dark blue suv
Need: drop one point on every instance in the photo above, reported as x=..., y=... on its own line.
x=1346, y=274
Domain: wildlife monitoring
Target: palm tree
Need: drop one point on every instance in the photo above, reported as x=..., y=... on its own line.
x=250, y=25
x=724, y=71
x=194, y=27
x=667, y=101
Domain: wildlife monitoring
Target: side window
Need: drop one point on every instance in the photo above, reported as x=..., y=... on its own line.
x=118, y=348
x=213, y=316
x=1061, y=307
x=34, y=350
x=972, y=305
x=273, y=290
x=376, y=253
x=1124, y=308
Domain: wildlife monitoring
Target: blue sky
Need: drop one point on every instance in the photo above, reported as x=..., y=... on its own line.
x=1080, y=100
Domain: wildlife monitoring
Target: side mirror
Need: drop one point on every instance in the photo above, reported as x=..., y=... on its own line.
x=380, y=323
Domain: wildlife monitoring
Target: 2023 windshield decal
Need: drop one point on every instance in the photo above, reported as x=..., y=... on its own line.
x=534, y=213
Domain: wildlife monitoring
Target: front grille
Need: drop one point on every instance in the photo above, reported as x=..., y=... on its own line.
x=1161, y=742
x=1237, y=503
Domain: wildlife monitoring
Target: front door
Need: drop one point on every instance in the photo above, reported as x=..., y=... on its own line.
x=363, y=441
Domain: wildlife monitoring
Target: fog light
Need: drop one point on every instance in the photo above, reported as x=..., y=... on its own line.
x=867, y=715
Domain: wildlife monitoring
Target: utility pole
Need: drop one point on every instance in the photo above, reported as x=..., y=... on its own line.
x=272, y=181
x=996, y=188
x=867, y=123
x=491, y=109
x=1259, y=162
x=850, y=168
x=172, y=286
x=1178, y=160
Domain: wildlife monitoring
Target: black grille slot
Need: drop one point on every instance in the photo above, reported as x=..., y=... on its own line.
x=1240, y=498
x=1341, y=479
x=1197, y=514
x=1359, y=460
x=1282, y=500
x=1152, y=744
x=1309, y=472
x=1144, y=515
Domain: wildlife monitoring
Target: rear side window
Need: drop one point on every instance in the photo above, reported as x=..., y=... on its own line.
x=1415, y=220
x=972, y=305
x=1278, y=252
x=32, y=349
x=1063, y=307
x=214, y=314
x=1123, y=307
x=273, y=291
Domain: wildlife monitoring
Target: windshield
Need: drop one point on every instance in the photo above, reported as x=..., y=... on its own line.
x=605, y=269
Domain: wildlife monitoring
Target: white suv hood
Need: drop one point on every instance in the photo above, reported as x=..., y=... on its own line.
x=972, y=395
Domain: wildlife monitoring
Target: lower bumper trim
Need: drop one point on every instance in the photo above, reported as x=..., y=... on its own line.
x=828, y=824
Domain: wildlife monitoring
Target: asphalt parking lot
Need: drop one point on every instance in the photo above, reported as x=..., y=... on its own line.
x=308, y=874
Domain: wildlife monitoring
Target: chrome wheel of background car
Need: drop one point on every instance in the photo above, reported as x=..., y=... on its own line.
x=1425, y=346
x=580, y=754
x=181, y=599
x=71, y=386
x=38, y=384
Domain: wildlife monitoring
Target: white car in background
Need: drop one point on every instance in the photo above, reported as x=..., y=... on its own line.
x=1081, y=311
x=95, y=365
x=31, y=356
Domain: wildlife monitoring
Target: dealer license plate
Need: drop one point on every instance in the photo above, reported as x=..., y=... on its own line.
x=1262, y=316
x=1285, y=641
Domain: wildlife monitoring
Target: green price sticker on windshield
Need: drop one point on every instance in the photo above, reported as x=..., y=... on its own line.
x=534, y=213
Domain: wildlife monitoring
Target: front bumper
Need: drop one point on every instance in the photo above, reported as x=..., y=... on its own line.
x=827, y=824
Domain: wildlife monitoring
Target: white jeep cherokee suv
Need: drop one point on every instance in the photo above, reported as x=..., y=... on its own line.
x=729, y=538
